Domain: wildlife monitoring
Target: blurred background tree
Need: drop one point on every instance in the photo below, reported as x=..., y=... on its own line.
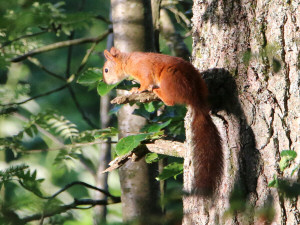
x=52, y=133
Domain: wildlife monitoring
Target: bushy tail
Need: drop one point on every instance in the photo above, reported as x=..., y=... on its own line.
x=208, y=154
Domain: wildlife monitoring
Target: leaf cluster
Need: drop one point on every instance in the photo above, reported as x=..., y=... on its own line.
x=286, y=187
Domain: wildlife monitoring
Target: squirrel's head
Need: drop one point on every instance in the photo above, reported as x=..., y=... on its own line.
x=112, y=69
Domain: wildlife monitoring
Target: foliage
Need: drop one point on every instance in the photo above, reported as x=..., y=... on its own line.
x=24, y=176
x=285, y=186
x=171, y=170
x=93, y=77
x=287, y=156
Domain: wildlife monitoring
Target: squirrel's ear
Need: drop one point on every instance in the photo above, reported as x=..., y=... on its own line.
x=115, y=52
x=108, y=56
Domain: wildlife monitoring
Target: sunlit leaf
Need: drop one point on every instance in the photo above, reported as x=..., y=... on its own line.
x=155, y=127
x=104, y=88
x=274, y=182
x=90, y=76
x=128, y=143
x=153, y=157
x=171, y=170
x=286, y=157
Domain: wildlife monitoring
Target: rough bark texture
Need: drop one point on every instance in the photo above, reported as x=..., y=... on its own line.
x=256, y=109
x=132, y=24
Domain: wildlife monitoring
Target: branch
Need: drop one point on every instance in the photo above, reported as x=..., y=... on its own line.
x=80, y=109
x=133, y=98
x=76, y=145
x=164, y=147
x=40, y=95
x=67, y=187
x=82, y=64
x=174, y=39
x=61, y=45
x=85, y=185
x=64, y=208
x=87, y=55
x=22, y=37
x=37, y=63
x=135, y=155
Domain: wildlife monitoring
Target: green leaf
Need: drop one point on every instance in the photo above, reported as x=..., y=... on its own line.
x=289, y=153
x=128, y=143
x=149, y=107
x=28, y=131
x=153, y=157
x=171, y=170
x=156, y=126
x=104, y=88
x=90, y=76
x=286, y=157
x=141, y=111
x=274, y=182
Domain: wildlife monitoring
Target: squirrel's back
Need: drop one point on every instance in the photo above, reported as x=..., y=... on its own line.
x=179, y=77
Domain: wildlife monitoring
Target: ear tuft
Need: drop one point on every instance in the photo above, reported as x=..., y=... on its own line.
x=115, y=52
x=108, y=55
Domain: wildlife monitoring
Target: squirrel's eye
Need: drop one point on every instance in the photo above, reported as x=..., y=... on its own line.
x=106, y=70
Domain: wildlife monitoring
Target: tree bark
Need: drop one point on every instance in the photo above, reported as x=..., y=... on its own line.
x=255, y=104
x=100, y=211
x=133, y=31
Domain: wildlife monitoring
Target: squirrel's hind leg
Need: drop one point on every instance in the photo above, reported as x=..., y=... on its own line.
x=163, y=97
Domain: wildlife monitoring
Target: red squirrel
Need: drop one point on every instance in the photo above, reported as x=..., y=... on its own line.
x=175, y=81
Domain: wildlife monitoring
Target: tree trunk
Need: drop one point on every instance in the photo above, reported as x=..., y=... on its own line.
x=100, y=211
x=255, y=100
x=133, y=31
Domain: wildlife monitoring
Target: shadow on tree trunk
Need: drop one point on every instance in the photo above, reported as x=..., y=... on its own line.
x=224, y=97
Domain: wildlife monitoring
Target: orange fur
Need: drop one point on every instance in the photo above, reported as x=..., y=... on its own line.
x=175, y=81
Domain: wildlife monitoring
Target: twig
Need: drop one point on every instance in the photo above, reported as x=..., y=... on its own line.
x=178, y=15
x=67, y=187
x=61, y=45
x=85, y=185
x=37, y=96
x=22, y=37
x=76, y=145
x=82, y=64
x=164, y=147
x=87, y=55
x=84, y=116
x=37, y=63
x=69, y=57
x=64, y=208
